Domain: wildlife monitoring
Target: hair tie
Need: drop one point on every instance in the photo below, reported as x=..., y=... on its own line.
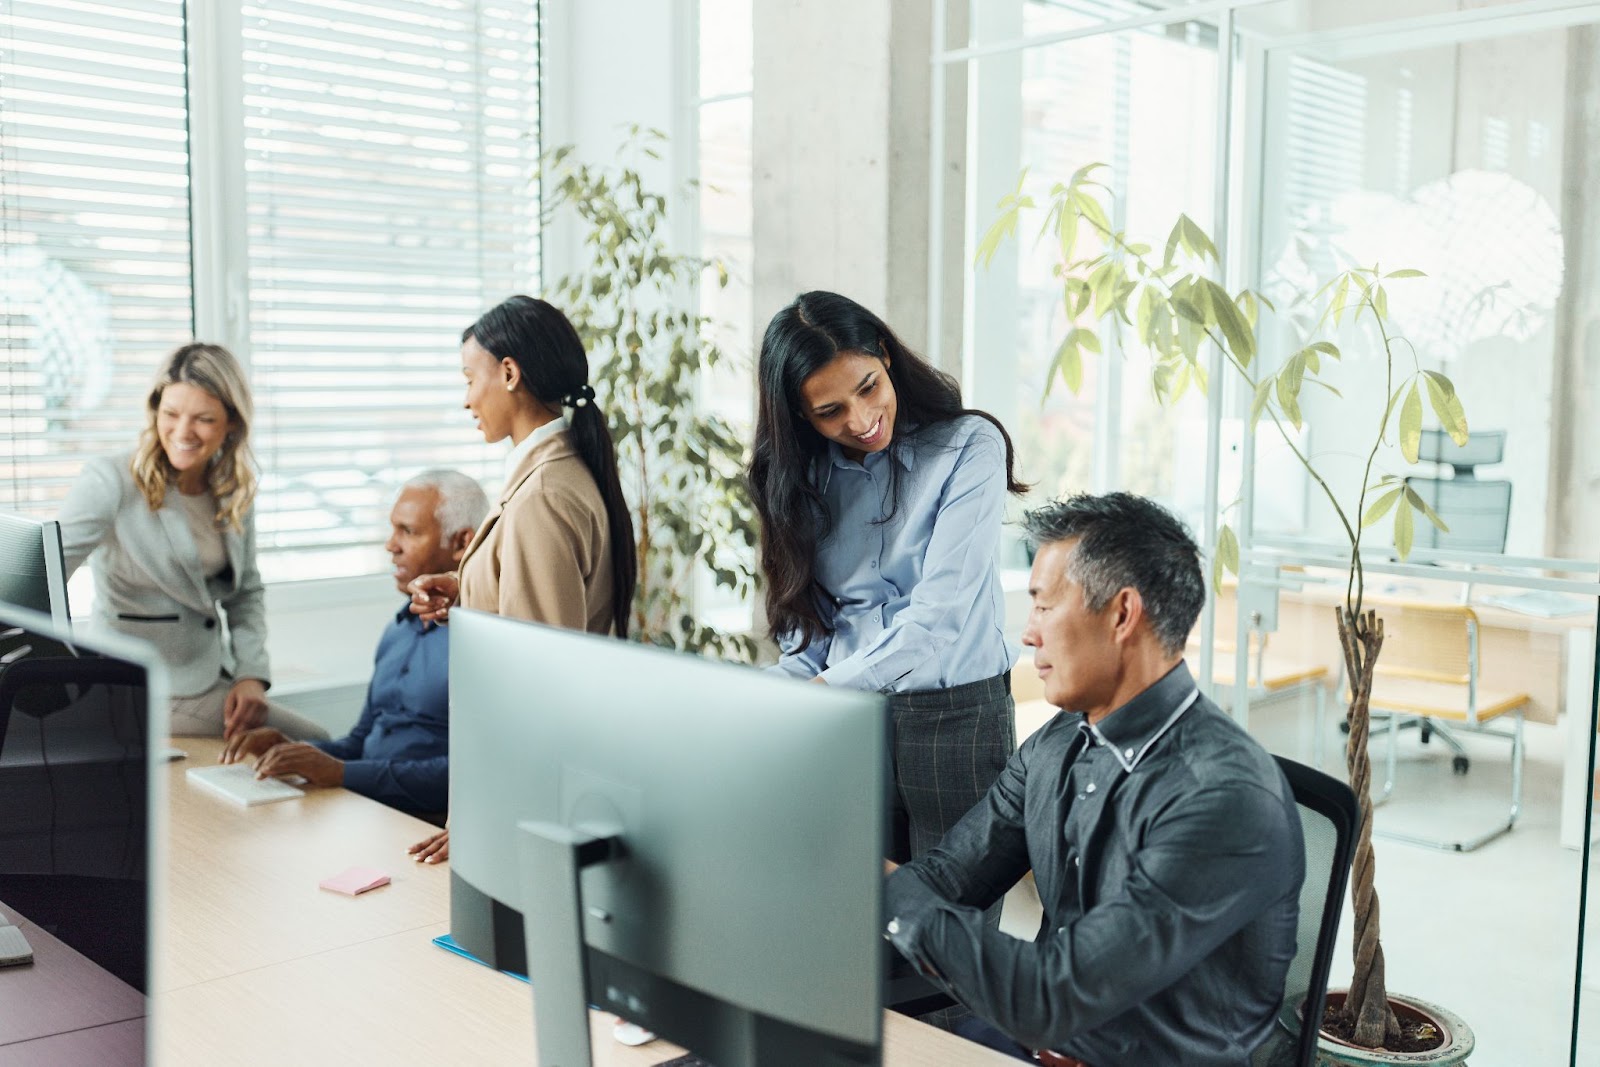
x=578, y=397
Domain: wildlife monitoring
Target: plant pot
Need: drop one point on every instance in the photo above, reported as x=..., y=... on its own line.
x=1457, y=1046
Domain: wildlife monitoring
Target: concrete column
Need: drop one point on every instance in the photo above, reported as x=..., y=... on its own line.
x=841, y=156
x=1574, y=503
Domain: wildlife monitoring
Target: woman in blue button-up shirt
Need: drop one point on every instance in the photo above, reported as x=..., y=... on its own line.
x=881, y=501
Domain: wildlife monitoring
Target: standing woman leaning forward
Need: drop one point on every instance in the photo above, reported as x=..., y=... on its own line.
x=881, y=501
x=558, y=547
x=171, y=536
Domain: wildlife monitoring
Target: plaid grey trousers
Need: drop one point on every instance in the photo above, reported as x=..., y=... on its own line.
x=949, y=747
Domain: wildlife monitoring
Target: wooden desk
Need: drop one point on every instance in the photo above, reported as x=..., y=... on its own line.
x=262, y=967
x=1552, y=660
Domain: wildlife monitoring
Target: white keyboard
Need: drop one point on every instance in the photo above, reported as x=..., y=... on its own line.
x=238, y=782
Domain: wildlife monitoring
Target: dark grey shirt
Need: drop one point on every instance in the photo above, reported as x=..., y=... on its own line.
x=1167, y=851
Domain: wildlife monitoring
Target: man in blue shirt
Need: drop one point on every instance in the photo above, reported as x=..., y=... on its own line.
x=399, y=750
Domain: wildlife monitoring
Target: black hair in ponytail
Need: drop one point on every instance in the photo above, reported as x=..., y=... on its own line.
x=555, y=369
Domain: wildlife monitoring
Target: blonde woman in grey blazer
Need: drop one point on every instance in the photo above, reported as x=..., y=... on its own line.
x=169, y=532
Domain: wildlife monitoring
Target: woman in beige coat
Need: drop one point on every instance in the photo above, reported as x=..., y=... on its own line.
x=558, y=547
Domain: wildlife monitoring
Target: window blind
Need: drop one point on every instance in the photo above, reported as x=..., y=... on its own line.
x=94, y=231
x=390, y=152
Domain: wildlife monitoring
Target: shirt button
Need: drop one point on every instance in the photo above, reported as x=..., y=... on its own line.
x=893, y=928
x=1128, y=752
x=1077, y=861
x=1089, y=788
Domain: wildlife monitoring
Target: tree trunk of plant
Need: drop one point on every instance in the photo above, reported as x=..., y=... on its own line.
x=1367, y=1007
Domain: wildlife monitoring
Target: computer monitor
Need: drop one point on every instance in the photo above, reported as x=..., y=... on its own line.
x=695, y=846
x=80, y=724
x=32, y=572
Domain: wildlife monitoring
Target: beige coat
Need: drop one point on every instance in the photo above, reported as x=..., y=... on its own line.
x=544, y=552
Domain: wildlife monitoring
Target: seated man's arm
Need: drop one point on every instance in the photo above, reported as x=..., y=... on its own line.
x=985, y=853
x=1206, y=868
x=420, y=785
x=349, y=746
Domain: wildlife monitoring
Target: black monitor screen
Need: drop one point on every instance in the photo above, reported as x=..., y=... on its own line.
x=74, y=817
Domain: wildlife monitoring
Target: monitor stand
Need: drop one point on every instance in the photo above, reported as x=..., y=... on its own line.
x=553, y=859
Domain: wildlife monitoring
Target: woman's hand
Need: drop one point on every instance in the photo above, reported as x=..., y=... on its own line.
x=432, y=595
x=435, y=849
x=245, y=708
x=249, y=743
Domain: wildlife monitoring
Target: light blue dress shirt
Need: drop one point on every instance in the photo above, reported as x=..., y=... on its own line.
x=916, y=601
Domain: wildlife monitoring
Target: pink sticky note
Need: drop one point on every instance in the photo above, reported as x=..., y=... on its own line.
x=355, y=880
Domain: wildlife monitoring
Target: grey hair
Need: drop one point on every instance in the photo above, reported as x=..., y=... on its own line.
x=462, y=501
x=1127, y=541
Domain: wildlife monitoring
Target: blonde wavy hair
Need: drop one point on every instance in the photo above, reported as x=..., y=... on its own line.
x=230, y=476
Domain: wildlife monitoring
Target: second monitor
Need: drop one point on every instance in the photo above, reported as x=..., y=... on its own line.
x=703, y=843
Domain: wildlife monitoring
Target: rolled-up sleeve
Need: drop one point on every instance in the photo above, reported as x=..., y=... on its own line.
x=1206, y=868
x=959, y=561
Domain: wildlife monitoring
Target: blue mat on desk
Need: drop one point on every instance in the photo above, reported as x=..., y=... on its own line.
x=448, y=943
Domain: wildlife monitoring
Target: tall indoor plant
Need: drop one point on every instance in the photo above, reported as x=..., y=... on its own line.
x=1174, y=307
x=632, y=302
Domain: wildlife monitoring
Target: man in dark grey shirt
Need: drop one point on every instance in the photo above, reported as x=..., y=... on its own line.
x=1164, y=840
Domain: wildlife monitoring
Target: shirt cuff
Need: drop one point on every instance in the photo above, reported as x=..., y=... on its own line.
x=852, y=673
x=361, y=775
x=909, y=902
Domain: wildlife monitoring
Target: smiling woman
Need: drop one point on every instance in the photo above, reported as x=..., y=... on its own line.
x=881, y=499
x=171, y=534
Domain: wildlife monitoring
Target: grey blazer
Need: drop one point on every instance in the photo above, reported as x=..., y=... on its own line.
x=148, y=581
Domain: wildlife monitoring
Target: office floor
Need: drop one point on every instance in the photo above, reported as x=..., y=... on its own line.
x=1492, y=934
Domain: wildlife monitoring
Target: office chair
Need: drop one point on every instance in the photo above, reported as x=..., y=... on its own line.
x=1427, y=674
x=1329, y=819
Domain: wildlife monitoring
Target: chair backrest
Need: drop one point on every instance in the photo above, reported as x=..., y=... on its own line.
x=1428, y=642
x=1477, y=513
x=1329, y=818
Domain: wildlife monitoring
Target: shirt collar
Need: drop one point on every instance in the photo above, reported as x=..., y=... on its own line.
x=902, y=452
x=1131, y=730
x=520, y=452
x=404, y=615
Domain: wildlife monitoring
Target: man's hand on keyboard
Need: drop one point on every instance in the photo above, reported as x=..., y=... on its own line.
x=250, y=743
x=297, y=757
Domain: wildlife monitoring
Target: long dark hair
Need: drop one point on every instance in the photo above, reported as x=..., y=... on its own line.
x=801, y=339
x=555, y=369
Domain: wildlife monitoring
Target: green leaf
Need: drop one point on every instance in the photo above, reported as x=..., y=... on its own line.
x=1258, y=403
x=1403, y=529
x=1248, y=304
x=1380, y=507
x=1068, y=362
x=1327, y=348
x=1146, y=313
x=1235, y=325
x=1067, y=232
x=1174, y=239
x=1380, y=301
x=1289, y=389
x=1411, y=424
x=1228, y=548
x=1095, y=215
x=1447, y=406
x=1197, y=239
x=1422, y=506
x=1003, y=227
x=1407, y=273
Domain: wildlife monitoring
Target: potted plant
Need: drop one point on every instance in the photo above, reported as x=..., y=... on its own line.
x=1174, y=306
x=632, y=304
